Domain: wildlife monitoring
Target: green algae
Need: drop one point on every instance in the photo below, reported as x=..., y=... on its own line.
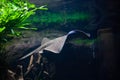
x=49, y=17
x=86, y=42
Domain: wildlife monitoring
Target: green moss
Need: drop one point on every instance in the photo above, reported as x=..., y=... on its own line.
x=83, y=41
x=48, y=18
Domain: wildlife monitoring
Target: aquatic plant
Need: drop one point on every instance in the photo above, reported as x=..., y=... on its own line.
x=85, y=42
x=49, y=17
x=13, y=14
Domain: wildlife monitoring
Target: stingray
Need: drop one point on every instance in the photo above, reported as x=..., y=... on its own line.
x=56, y=45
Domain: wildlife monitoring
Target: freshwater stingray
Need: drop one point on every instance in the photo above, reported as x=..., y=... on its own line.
x=56, y=44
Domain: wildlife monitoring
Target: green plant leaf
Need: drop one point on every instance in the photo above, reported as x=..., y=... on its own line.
x=12, y=31
x=43, y=7
x=28, y=28
x=2, y=29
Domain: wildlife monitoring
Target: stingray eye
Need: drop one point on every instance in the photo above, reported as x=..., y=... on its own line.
x=71, y=32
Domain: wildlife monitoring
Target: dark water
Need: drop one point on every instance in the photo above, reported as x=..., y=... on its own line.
x=67, y=15
x=97, y=61
x=100, y=14
x=89, y=16
x=80, y=62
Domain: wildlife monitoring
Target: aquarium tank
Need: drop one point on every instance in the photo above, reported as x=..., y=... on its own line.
x=59, y=39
